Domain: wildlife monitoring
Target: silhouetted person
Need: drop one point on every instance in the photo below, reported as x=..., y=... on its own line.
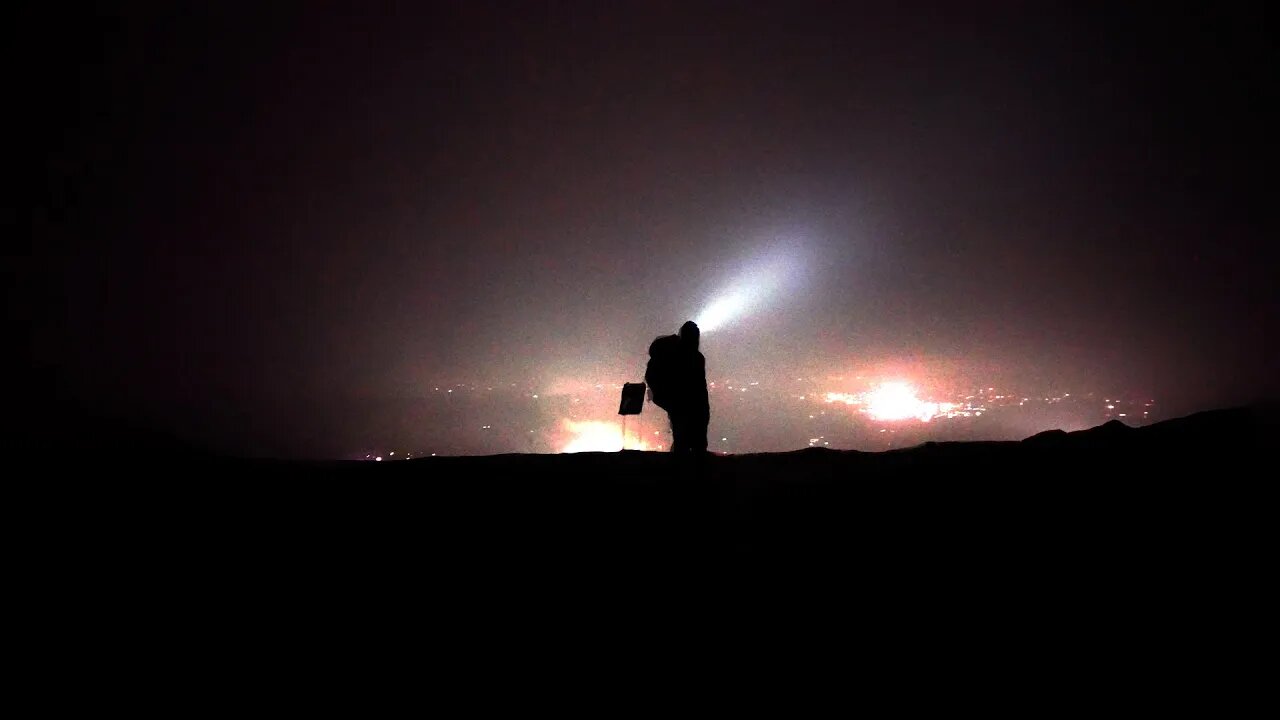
x=677, y=378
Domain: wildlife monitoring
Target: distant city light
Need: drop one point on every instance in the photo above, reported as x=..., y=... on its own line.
x=597, y=436
x=898, y=401
x=895, y=401
x=585, y=422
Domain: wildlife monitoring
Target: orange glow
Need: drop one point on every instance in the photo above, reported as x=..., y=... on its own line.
x=897, y=401
x=893, y=401
x=597, y=436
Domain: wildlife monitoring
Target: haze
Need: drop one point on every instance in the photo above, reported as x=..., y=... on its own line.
x=276, y=230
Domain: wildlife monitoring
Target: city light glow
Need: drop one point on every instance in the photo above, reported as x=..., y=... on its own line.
x=833, y=409
x=894, y=401
x=597, y=436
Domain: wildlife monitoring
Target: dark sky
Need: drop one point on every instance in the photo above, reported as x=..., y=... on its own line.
x=247, y=214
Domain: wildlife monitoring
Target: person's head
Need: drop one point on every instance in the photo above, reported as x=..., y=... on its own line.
x=689, y=335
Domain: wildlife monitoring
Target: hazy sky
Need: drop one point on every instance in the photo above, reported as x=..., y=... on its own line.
x=246, y=212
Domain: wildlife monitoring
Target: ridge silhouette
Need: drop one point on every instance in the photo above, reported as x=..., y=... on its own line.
x=1070, y=532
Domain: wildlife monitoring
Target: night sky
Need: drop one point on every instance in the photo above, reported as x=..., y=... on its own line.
x=246, y=222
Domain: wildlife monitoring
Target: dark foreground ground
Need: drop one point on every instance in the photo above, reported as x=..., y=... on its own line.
x=956, y=508
x=1142, y=548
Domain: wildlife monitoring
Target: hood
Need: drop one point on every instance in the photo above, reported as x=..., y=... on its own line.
x=689, y=335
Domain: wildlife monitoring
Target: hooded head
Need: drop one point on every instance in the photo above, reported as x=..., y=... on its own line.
x=689, y=334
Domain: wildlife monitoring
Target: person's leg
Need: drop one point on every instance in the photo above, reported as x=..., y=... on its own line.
x=677, y=431
x=698, y=434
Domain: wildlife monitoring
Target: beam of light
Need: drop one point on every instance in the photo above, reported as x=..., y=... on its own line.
x=773, y=270
x=597, y=436
x=719, y=312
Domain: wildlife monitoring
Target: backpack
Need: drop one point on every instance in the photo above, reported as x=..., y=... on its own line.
x=659, y=373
